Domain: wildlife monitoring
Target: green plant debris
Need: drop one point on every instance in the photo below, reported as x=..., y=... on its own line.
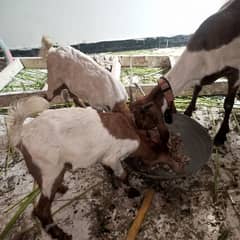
x=143, y=74
x=24, y=204
x=151, y=51
x=27, y=80
x=81, y=195
x=3, y=111
x=202, y=101
x=30, y=198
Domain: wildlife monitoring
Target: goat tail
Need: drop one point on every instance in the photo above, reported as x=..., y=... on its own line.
x=46, y=45
x=19, y=111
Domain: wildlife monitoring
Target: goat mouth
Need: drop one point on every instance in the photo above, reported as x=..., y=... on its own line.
x=168, y=116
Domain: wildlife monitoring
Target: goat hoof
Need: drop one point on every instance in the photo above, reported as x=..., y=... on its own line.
x=133, y=192
x=188, y=112
x=67, y=237
x=219, y=141
x=62, y=189
x=116, y=183
x=57, y=233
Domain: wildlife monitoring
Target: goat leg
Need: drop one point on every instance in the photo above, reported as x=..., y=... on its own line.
x=62, y=188
x=220, y=137
x=192, y=106
x=115, y=181
x=43, y=212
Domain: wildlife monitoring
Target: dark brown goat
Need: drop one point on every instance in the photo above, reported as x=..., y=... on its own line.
x=154, y=109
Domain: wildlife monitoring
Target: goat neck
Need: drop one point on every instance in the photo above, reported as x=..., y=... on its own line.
x=122, y=107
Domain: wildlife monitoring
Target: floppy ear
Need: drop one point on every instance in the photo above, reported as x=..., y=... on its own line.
x=156, y=91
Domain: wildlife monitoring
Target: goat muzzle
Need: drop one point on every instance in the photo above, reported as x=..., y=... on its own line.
x=168, y=94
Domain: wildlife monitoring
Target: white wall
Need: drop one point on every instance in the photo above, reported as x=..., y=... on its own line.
x=23, y=22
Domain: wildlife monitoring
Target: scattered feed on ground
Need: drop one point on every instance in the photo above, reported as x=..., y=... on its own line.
x=204, y=206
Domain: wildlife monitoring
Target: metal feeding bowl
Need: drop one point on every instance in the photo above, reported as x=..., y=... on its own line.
x=197, y=146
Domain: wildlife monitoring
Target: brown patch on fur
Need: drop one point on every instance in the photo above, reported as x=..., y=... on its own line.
x=147, y=110
x=149, y=151
x=122, y=107
x=43, y=208
x=148, y=115
x=118, y=125
x=32, y=168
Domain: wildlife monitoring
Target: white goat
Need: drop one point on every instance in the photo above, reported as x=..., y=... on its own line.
x=74, y=138
x=84, y=79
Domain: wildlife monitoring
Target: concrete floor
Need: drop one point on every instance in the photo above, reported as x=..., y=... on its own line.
x=205, y=206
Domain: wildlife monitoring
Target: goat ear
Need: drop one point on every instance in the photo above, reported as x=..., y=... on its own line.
x=147, y=106
x=154, y=93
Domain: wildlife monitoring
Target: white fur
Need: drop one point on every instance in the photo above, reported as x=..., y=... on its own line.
x=84, y=78
x=191, y=67
x=17, y=115
x=72, y=135
x=116, y=68
x=226, y=4
x=164, y=106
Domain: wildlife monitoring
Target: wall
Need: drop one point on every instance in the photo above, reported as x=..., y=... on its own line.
x=23, y=22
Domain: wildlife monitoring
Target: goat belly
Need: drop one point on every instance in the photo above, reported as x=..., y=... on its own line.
x=73, y=135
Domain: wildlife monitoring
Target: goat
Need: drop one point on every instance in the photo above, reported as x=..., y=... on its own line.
x=211, y=53
x=84, y=79
x=154, y=109
x=74, y=138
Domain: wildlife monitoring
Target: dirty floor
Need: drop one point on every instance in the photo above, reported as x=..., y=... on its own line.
x=205, y=206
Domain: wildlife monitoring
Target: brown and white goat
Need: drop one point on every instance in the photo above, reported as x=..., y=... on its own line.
x=154, y=110
x=74, y=138
x=212, y=52
x=84, y=78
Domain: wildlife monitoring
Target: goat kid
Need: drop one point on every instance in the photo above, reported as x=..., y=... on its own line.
x=84, y=79
x=154, y=110
x=74, y=138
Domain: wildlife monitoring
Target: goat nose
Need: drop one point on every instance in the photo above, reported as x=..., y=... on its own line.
x=168, y=116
